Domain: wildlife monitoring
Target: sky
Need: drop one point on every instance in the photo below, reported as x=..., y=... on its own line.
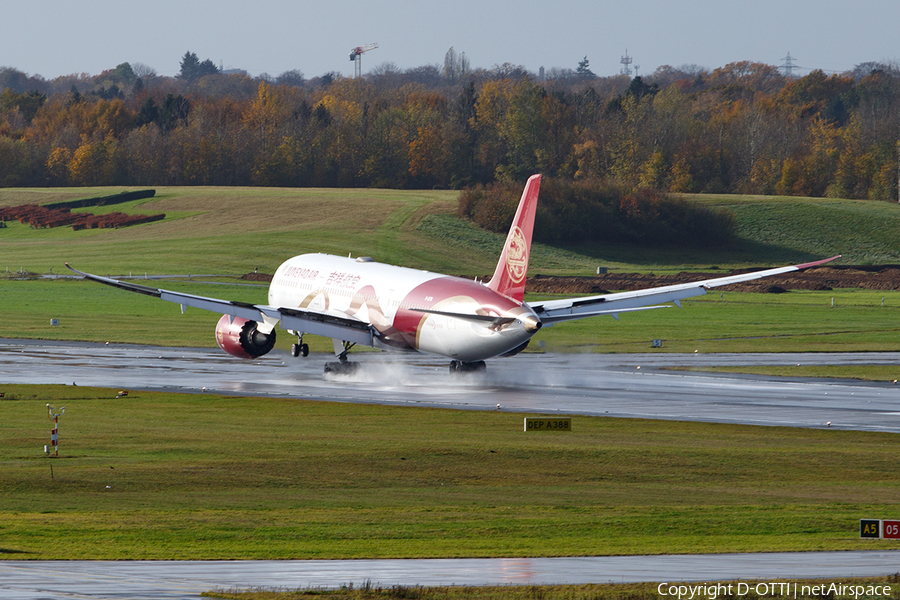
x=61, y=37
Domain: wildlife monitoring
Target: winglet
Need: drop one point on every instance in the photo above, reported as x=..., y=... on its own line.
x=509, y=276
x=131, y=287
x=817, y=263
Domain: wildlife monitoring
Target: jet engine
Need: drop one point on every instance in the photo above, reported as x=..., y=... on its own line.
x=242, y=338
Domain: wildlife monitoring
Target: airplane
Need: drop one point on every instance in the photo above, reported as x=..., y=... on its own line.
x=360, y=301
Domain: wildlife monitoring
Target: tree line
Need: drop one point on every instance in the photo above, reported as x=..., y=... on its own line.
x=741, y=128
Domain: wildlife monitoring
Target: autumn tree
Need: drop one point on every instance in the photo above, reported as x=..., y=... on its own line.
x=19, y=163
x=294, y=77
x=462, y=138
x=428, y=151
x=265, y=114
x=26, y=103
x=742, y=128
x=97, y=163
x=627, y=153
x=491, y=108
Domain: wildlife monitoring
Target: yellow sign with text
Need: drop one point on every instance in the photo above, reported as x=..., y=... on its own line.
x=548, y=424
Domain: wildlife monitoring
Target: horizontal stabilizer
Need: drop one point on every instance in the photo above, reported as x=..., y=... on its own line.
x=494, y=321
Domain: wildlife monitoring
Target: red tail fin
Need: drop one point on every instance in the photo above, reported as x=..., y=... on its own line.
x=509, y=276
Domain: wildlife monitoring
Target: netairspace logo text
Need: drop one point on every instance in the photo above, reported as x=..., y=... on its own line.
x=711, y=591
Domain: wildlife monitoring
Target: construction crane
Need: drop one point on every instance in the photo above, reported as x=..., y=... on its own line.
x=356, y=57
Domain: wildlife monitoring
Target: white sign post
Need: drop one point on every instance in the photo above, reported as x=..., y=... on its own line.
x=54, y=433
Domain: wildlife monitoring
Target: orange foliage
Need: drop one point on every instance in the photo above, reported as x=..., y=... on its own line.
x=740, y=128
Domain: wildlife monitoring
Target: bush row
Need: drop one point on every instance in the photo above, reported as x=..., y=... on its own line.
x=598, y=211
x=104, y=200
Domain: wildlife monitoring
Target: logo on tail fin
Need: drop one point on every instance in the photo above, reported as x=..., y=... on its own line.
x=509, y=275
x=517, y=255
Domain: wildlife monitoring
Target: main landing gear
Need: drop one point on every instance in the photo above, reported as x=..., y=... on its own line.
x=457, y=366
x=300, y=349
x=343, y=366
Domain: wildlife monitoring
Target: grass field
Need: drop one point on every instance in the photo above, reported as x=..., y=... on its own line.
x=730, y=322
x=234, y=230
x=192, y=476
x=864, y=232
x=169, y=476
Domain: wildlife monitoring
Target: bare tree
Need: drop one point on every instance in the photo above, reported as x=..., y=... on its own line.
x=143, y=71
x=456, y=66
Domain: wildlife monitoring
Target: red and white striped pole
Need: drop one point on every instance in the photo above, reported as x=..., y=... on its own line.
x=54, y=433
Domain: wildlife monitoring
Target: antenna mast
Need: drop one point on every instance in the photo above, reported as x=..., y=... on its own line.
x=626, y=61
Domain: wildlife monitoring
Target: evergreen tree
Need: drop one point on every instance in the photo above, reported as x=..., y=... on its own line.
x=584, y=70
x=175, y=110
x=192, y=69
x=149, y=113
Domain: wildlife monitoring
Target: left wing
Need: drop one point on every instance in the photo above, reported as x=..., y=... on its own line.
x=554, y=311
x=314, y=323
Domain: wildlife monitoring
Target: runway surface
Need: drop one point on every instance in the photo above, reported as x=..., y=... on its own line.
x=619, y=385
x=61, y=580
x=633, y=385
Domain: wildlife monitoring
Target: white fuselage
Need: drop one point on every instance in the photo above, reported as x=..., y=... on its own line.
x=394, y=300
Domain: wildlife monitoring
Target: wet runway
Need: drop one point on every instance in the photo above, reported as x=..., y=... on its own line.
x=177, y=580
x=620, y=385
x=632, y=385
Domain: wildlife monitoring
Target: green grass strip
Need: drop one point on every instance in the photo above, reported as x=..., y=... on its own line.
x=169, y=476
x=799, y=321
x=861, y=372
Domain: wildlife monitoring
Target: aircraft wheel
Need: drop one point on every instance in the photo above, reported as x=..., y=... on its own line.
x=467, y=367
x=341, y=368
x=304, y=350
x=295, y=350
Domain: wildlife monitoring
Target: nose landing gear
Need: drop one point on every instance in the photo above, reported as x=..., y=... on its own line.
x=344, y=366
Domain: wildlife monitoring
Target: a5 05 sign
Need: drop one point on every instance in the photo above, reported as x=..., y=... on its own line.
x=887, y=529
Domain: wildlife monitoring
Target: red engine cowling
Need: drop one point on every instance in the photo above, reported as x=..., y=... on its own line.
x=242, y=338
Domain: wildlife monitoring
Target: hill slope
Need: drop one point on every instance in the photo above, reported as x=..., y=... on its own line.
x=235, y=230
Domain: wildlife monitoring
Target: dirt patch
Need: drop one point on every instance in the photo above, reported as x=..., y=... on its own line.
x=883, y=277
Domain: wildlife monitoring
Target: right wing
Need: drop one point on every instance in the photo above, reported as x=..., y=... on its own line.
x=306, y=321
x=555, y=311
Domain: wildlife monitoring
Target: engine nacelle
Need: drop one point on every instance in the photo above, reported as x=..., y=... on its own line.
x=242, y=338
